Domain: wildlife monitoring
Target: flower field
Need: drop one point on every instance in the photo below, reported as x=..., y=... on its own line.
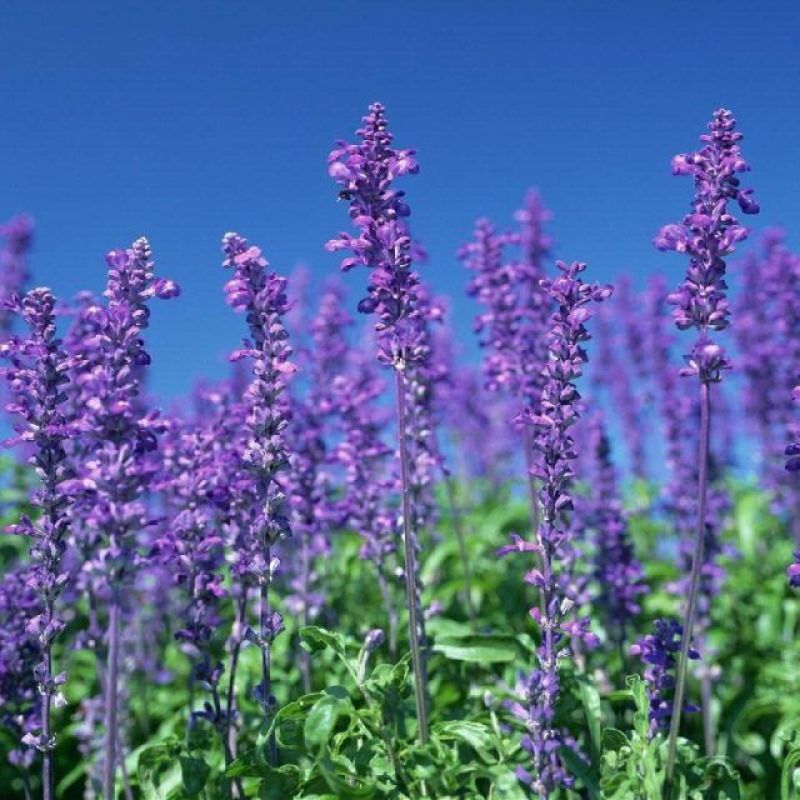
x=367, y=565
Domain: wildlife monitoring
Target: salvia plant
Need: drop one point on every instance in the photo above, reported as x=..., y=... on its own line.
x=364, y=565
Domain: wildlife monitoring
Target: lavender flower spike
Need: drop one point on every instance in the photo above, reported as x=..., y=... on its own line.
x=657, y=651
x=366, y=172
x=707, y=235
x=313, y=510
x=191, y=547
x=262, y=296
x=36, y=379
x=365, y=457
x=493, y=285
x=19, y=655
x=116, y=449
x=618, y=573
x=514, y=325
x=18, y=234
x=554, y=451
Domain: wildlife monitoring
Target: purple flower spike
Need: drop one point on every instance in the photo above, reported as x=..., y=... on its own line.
x=115, y=456
x=493, y=285
x=20, y=653
x=621, y=360
x=513, y=328
x=366, y=172
x=262, y=296
x=618, y=573
x=36, y=379
x=553, y=453
x=314, y=512
x=191, y=546
x=708, y=235
x=657, y=652
x=18, y=235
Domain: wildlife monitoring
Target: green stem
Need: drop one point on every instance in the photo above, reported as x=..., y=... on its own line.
x=694, y=585
x=415, y=621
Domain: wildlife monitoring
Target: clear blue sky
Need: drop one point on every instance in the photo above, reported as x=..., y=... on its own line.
x=182, y=120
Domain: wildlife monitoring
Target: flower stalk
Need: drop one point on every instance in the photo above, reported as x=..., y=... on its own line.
x=416, y=632
x=707, y=235
x=365, y=171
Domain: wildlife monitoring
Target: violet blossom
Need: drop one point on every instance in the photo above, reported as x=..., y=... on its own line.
x=618, y=573
x=368, y=505
x=657, y=652
x=191, y=549
x=366, y=171
x=18, y=235
x=314, y=512
x=261, y=295
x=768, y=335
x=707, y=235
x=553, y=452
x=20, y=654
x=514, y=325
x=36, y=378
x=535, y=304
x=620, y=362
x=492, y=285
x=114, y=458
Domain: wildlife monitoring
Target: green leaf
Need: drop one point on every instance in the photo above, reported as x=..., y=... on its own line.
x=324, y=715
x=720, y=777
x=195, y=774
x=279, y=783
x=439, y=627
x=590, y=700
x=478, y=648
x=244, y=767
x=318, y=797
x=505, y=785
x=158, y=769
x=346, y=785
x=315, y=639
x=789, y=784
x=390, y=677
x=475, y=734
x=614, y=739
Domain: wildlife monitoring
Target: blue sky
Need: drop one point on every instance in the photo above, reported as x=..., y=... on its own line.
x=183, y=120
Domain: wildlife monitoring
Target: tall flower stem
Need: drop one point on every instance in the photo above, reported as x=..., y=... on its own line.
x=47, y=698
x=415, y=622
x=236, y=648
x=126, y=779
x=265, y=620
x=112, y=672
x=691, y=605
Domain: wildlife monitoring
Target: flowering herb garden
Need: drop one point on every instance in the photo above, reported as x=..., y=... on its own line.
x=365, y=567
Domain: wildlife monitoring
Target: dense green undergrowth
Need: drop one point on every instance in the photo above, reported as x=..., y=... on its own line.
x=353, y=734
